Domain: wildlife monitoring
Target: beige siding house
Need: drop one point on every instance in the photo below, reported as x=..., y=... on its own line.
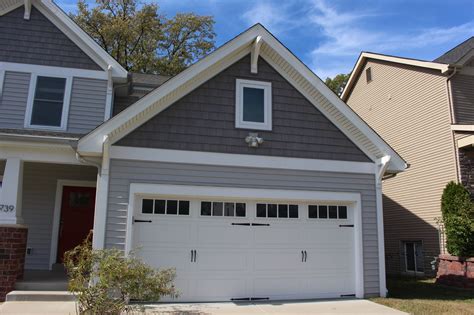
x=425, y=111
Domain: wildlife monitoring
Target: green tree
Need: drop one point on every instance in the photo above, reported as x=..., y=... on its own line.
x=458, y=218
x=143, y=40
x=337, y=83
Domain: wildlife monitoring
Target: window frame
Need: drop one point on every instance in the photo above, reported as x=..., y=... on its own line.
x=31, y=98
x=240, y=84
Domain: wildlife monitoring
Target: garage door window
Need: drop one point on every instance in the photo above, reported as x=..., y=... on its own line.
x=271, y=210
x=327, y=212
x=221, y=208
x=161, y=206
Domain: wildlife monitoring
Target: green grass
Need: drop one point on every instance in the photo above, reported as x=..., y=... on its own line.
x=423, y=296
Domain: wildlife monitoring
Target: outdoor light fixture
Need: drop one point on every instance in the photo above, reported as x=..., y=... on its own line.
x=253, y=140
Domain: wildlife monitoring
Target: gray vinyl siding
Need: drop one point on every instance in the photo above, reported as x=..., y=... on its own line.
x=124, y=172
x=462, y=90
x=204, y=120
x=87, y=107
x=39, y=193
x=38, y=41
x=13, y=99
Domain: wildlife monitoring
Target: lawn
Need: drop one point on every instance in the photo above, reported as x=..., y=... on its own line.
x=423, y=296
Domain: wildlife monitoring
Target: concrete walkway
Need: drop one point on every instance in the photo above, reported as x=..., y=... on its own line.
x=303, y=307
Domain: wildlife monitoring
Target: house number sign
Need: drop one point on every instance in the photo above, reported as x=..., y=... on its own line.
x=7, y=208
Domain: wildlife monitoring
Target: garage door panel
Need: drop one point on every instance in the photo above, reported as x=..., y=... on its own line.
x=220, y=289
x=329, y=285
x=167, y=258
x=278, y=287
x=266, y=236
x=222, y=260
x=329, y=259
x=224, y=234
x=175, y=233
x=277, y=260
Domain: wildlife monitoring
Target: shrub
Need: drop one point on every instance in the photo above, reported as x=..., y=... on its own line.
x=105, y=281
x=458, y=219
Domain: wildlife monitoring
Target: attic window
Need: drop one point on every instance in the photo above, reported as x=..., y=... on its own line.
x=368, y=74
x=253, y=105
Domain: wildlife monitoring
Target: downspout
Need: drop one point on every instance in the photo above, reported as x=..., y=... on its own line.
x=382, y=165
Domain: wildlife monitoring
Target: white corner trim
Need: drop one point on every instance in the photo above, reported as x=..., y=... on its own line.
x=66, y=102
x=240, y=84
x=2, y=80
x=462, y=127
x=406, y=61
x=53, y=71
x=26, y=16
x=110, y=94
x=254, y=53
x=137, y=190
x=239, y=160
x=382, y=165
x=57, y=213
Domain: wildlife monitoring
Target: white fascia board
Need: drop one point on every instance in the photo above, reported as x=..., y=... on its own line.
x=466, y=142
x=81, y=38
x=9, y=5
x=462, y=127
x=411, y=62
x=37, y=152
x=239, y=160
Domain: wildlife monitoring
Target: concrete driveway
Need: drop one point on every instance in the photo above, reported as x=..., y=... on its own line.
x=302, y=307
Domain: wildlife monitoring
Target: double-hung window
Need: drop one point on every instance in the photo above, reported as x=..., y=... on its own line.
x=48, y=102
x=253, y=105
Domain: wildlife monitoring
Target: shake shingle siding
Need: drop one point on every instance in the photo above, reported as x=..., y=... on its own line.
x=14, y=99
x=38, y=41
x=204, y=120
x=124, y=172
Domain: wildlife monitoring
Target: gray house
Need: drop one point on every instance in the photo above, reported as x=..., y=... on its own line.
x=425, y=111
x=244, y=172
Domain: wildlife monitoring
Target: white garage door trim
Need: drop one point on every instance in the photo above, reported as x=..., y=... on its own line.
x=138, y=191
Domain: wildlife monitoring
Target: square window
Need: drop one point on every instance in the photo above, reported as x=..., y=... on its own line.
x=283, y=211
x=229, y=209
x=217, y=209
x=253, y=104
x=342, y=212
x=293, y=211
x=184, y=207
x=272, y=211
x=206, y=208
x=147, y=206
x=172, y=207
x=240, y=209
x=48, y=101
x=323, y=212
x=261, y=210
x=332, y=212
x=313, y=212
x=160, y=206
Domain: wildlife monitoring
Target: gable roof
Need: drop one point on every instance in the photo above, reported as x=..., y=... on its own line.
x=455, y=54
x=64, y=23
x=282, y=60
x=364, y=56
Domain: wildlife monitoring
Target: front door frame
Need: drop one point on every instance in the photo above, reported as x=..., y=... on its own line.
x=57, y=213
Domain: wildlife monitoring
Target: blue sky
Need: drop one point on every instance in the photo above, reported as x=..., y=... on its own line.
x=328, y=35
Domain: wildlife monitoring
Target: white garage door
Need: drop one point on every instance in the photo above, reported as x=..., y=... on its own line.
x=248, y=249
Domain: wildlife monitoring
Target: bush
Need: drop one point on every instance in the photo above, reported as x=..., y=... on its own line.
x=458, y=219
x=105, y=281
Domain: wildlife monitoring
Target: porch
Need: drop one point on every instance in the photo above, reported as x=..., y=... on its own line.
x=52, y=205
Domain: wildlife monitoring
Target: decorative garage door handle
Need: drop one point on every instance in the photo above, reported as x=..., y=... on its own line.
x=193, y=255
x=305, y=256
x=247, y=224
x=302, y=256
x=147, y=221
x=260, y=224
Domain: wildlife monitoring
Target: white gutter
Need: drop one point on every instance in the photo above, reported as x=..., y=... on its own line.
x=382, y=165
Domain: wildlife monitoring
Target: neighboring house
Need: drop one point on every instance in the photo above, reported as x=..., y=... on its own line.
x=425, y=111
x=244, y=172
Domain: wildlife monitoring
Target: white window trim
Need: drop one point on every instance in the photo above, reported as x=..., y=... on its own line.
x=66, y=102
x=239, y=108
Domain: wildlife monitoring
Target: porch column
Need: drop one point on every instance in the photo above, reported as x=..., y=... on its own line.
x=11, y=193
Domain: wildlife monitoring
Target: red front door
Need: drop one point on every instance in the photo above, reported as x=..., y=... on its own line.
x=77, y=217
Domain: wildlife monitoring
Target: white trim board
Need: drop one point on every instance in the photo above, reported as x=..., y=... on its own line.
x=462, y=127
x=137, y=190
x=57, y=213
x=37, y=152
x=165, y=95
x=242, y=160
x=52, y=71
